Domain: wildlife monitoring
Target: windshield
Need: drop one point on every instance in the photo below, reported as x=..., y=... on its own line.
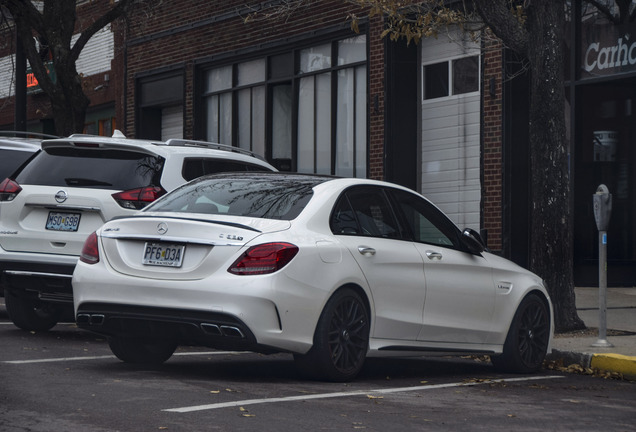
x=94, y=168
x=256, y=196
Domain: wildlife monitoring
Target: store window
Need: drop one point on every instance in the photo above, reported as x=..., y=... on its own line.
x=305, y=110
x=451, y=78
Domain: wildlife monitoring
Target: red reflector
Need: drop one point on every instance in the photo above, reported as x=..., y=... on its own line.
x=9, y=189
x=88, y=145
x=136, y=199
x=90, y=251
x=264, y=259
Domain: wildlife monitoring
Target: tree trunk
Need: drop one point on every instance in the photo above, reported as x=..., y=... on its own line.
x=69, y=107
x=551, y=254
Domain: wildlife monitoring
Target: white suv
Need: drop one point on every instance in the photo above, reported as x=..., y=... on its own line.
x=68, y=190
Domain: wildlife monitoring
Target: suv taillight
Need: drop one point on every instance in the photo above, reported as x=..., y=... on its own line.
x=9, y=189
x=90, y=251
x=136, y=199
x=264, y=259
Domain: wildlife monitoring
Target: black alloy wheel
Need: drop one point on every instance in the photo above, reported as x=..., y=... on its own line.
x=527, y=341
x=341, y=340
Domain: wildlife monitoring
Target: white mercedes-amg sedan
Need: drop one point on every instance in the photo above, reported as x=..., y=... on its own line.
x=331, y=270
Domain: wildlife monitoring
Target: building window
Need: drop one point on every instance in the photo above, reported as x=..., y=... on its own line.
x=304, y=110
x=451, y=78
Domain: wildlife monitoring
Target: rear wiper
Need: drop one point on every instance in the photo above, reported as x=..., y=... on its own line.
x=75, y=181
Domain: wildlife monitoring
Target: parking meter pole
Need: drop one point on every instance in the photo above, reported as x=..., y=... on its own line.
x=602, y=210
x=602, y=291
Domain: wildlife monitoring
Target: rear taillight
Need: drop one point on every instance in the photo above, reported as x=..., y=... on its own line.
x=135, y=199
x=264, y=259
x=9, y=189
x=90, y=251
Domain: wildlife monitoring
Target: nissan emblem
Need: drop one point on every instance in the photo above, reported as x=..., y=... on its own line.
x=61, y=196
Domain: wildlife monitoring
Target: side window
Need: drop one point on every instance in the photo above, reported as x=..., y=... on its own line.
x=197, y=167
x=366, y=212
x=427, y=223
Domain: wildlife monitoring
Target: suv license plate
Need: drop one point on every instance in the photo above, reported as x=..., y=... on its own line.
x=163, y=254
x=63, y=221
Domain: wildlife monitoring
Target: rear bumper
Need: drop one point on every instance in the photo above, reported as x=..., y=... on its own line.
x=188, y=327
x=47, y=281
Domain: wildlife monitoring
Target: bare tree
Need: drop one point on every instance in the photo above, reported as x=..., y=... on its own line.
x=49, y=26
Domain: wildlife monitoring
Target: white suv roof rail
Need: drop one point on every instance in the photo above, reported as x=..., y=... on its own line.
x=25, y=134
x=211, y=145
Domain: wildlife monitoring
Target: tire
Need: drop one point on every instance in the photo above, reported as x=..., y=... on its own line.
x=31, y=314
x=142, y=351
x=341, y=340
x=526, y=345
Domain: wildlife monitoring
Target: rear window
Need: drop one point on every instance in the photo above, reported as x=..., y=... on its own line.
x=10, y=160
x=252, y=196
x=197, y=167
x=94, y=168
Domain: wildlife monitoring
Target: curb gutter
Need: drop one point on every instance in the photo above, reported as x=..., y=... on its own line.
x=617, y=363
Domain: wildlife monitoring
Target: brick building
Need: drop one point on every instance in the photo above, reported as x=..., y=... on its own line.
x=443, y=117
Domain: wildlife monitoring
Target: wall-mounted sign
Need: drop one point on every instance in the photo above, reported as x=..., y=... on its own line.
x=607, y=49
x=32, y=84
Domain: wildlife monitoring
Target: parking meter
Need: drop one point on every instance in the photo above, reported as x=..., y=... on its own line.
x=602, y=207
x=602, y=200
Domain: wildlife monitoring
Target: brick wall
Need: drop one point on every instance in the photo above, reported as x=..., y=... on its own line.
x=492, y=145
x=163, y=36
x=376, y=90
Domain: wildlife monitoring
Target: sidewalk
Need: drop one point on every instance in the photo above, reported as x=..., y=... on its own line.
x=621, y=333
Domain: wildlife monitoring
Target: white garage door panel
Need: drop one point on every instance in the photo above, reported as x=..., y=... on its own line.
x=451, y=129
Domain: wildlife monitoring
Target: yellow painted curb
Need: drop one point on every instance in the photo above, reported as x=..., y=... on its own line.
x=623, y=364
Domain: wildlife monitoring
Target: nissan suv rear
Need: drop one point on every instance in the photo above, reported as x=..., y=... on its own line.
x=68, y=190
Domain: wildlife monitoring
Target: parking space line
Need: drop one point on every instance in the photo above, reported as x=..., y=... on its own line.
x=63, y=359
x=353, y=393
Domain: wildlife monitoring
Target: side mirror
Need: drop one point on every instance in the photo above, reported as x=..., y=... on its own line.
x=472, y=240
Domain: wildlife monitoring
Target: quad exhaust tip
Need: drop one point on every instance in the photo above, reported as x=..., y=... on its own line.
x=91, y=319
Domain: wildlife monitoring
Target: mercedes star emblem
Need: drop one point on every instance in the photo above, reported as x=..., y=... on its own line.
x=162, y=228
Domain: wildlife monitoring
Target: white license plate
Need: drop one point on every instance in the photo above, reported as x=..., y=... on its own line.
x=163, y=254
x=63, y=221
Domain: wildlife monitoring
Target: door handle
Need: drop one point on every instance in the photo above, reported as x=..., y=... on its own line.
x=433, y=255
x=366, y=251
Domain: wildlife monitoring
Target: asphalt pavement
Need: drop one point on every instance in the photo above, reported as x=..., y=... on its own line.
x=582, y=347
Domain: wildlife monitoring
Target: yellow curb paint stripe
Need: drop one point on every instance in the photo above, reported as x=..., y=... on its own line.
x=615, y=363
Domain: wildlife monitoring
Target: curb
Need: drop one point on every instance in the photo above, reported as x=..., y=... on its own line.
x=625, y=365
x=618, y=363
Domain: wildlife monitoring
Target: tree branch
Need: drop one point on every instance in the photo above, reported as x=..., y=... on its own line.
x=504, y=22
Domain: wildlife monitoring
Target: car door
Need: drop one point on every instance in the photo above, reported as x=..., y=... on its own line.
x=460, y=292
x=365, y=223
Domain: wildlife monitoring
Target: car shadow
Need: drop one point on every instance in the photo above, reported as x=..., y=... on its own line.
x=277, y=368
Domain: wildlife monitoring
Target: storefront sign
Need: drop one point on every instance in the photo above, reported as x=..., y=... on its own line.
x=607, y=50
x=32, y=84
